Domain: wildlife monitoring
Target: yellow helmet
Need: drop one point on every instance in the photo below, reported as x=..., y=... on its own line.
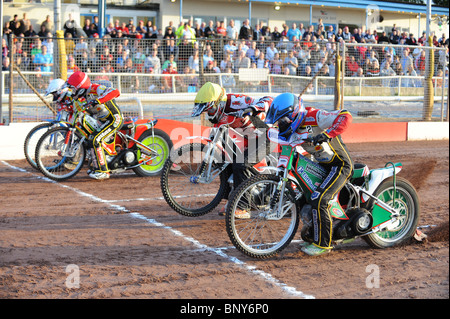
x=208, y=99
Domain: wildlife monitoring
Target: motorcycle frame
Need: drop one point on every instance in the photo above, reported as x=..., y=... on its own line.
x=215, y=141
x=140, y=127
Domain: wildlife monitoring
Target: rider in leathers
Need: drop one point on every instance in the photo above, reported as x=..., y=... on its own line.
x=327, y=148
x=213, y=99
x=102, y=106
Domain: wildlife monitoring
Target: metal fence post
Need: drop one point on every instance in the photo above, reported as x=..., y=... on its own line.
x=429, y=72
x=11, y=81
x=442, y=95
x=343, y=60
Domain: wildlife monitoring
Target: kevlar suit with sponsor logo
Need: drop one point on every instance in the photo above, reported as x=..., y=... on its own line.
x=103, y=108
x=334, y=157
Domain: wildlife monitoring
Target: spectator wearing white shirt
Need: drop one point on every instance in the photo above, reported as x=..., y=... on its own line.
x=271, y=51
x=153, y=61
x=194, y=61
x=232, y=30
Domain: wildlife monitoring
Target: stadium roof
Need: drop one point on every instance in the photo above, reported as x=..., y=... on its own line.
x=392, y=6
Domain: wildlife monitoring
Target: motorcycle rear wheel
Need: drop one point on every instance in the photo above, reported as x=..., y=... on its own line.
x=259, y=236
x=180, y=183
x=49, y=154
x=407, y=203
x=160, y=142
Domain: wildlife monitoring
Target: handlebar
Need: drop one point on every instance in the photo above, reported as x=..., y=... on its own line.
x=308, y=140
x=240, y=112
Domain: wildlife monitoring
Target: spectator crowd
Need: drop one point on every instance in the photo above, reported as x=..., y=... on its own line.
x=211, y=48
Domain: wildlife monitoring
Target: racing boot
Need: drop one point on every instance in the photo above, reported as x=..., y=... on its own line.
x=313, y=250
x=238, y=213
x=99, y=175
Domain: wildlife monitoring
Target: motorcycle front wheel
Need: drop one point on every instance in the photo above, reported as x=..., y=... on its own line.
x=29, y=146
x=60, y=153
x=257, y=231
x=184, y=184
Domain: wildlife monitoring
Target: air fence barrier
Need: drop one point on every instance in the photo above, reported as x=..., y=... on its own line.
x=161, y=77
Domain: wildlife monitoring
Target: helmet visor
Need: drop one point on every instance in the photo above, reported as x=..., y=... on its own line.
x=77, y=92
x=198, y=109
x=284, y=126
x=55, y=96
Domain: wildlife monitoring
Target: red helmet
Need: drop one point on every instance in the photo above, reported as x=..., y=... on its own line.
x=79, y=82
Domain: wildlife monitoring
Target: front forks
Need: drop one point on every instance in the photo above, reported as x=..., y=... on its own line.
x=276, y=203
x=70, y=148
x=207, y=173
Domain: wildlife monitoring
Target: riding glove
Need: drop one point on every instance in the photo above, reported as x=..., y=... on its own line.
x=91, y=105
x=321, y=138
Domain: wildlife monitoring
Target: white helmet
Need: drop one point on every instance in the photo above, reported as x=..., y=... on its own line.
x=54, y=86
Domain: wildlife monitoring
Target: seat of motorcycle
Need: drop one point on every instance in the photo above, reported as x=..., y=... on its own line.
x=128, y=123
x=360, y=170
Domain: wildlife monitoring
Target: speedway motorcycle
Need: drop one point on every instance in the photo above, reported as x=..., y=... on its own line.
x=62, y=151
x=376, y=204
x=197, y=176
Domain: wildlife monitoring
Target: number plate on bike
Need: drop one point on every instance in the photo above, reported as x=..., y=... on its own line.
x=64, y=115
x=285, y=156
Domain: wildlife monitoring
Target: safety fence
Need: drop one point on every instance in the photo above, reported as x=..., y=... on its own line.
x=164, y=75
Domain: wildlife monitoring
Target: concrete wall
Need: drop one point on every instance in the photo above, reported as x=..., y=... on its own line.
x=427, y=131
x=12, y=137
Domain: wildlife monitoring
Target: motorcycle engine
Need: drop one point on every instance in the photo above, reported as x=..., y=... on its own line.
x=129, y=157
x=360, y=222
x=123, y=159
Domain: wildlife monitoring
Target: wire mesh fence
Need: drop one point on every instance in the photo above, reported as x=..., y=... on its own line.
x=165, y=74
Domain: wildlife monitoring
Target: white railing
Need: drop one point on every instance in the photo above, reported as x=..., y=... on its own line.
x=394, y=87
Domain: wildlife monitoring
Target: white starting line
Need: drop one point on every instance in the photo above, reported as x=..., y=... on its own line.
x=219, y=251
x=155, y=198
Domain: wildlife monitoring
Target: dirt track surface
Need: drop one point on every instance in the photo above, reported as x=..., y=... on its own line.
x=126, y=242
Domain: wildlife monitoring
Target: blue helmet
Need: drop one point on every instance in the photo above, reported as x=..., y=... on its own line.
x=289, y=112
